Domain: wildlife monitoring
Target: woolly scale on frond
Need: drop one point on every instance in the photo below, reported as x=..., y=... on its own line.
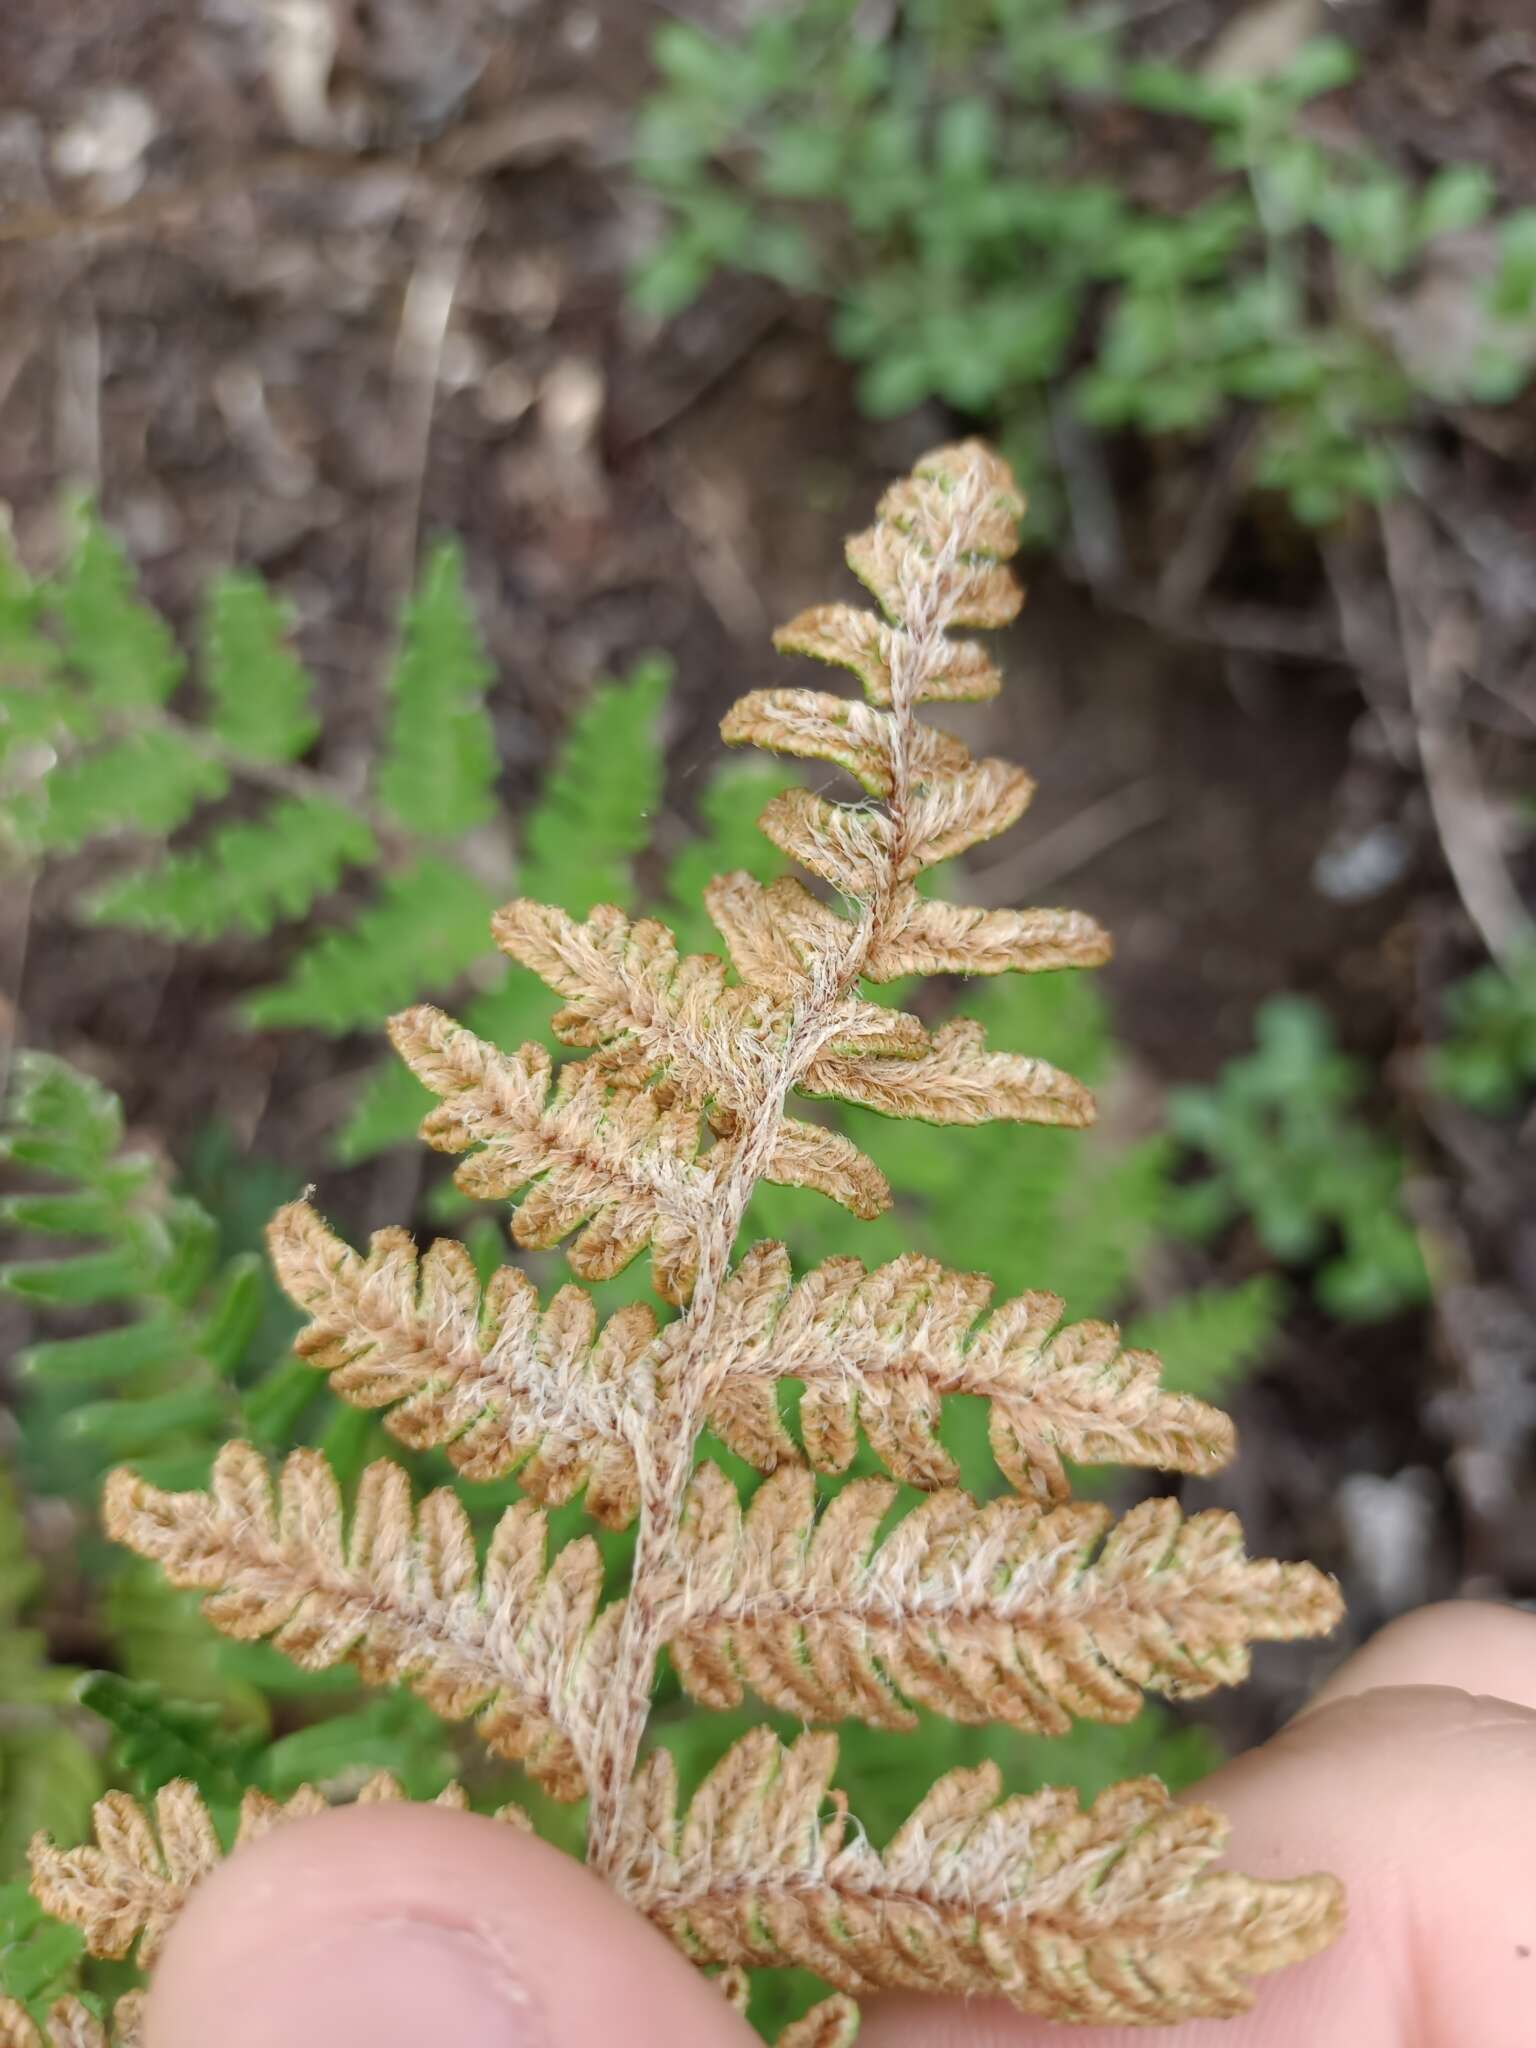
x=678, y=1099
x=1110, y=1915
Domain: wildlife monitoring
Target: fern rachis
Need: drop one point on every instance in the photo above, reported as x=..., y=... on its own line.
x=1030, y=1609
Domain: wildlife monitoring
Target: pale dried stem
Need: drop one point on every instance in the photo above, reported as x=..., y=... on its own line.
x=613, y=1746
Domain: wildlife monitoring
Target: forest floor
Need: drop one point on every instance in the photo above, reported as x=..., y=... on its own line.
x=324, y=325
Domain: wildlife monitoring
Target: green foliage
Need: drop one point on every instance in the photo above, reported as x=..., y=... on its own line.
x=1211, y=1339
x=91, y=749
x=425, y=926
x=439, y=768
x=1288, y=1148
x=48, y=1777
x=122, y=652
x=260, y=689
x=931, y=181
x=160, y=1380
x=39, y=1957
x=579, y=839
x=156, y=1739
x=1487, y=1058
x=248, y=877
x=597, y=808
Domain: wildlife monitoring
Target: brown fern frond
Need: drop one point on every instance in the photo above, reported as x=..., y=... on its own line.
x=70, y=2024
x=521, y=1649
x=1111, y=1915
x=131, y=1883
x=880, y=1350
x=775, y=934
x=986, y=1614
x=501, y=1385
x=621, y=1161
x=1028, y=1610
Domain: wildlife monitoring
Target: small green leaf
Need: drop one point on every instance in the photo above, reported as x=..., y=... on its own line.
x=439, y=765
x=109, y=1357
x=157, y=1738
x=260, y=689
x=1457, y=197
x=424, y=928
x=598, y=804
x=245, y=877
x=39, y=1957
x=148, y=783
x=122, y=648
x=76, y=1283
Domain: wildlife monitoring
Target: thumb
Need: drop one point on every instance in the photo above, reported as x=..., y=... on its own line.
x=390, y=1926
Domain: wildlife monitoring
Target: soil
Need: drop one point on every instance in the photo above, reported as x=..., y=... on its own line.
x=230, y=338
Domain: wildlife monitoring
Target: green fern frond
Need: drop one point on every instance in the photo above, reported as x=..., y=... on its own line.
x=597, y=808
x=48, y=1776
x=1213, y=1338
x=120, y=647
x=39, y=1956
x=156, y=1738
x=148, y=783
x=159, y=1379
x=259, y=687
x=727, y=840
x=246, y=877
x=439, y=765
x=423, y=930
x=94, y=670
x=580, y=838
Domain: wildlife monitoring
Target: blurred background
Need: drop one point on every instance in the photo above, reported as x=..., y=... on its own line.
x=639, y=306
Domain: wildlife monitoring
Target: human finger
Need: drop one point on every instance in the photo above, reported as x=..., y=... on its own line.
x=392, y=1926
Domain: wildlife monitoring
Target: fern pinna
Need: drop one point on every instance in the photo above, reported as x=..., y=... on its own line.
x=1030, y=1609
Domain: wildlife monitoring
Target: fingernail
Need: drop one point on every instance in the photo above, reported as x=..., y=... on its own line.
x=386, y=1984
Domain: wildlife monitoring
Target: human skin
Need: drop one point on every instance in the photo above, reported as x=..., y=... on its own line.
x=1412, y=1776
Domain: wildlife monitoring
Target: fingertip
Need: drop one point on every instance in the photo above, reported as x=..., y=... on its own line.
x=397, y=1925
x=1477, y=1646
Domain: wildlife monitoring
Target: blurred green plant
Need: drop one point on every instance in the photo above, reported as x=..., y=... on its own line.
x=170, y=1373
x=48, y=1776
x=1286, y=1147
x=945, y=187
x=1487, y=1059
x=100, y=741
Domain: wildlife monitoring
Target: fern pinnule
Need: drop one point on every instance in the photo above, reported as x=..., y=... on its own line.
x=500, y=1383
x=520, y=1647
x=678, y=1100
x=1110, y=1915
x=986, y=1614
x=70, y=2024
